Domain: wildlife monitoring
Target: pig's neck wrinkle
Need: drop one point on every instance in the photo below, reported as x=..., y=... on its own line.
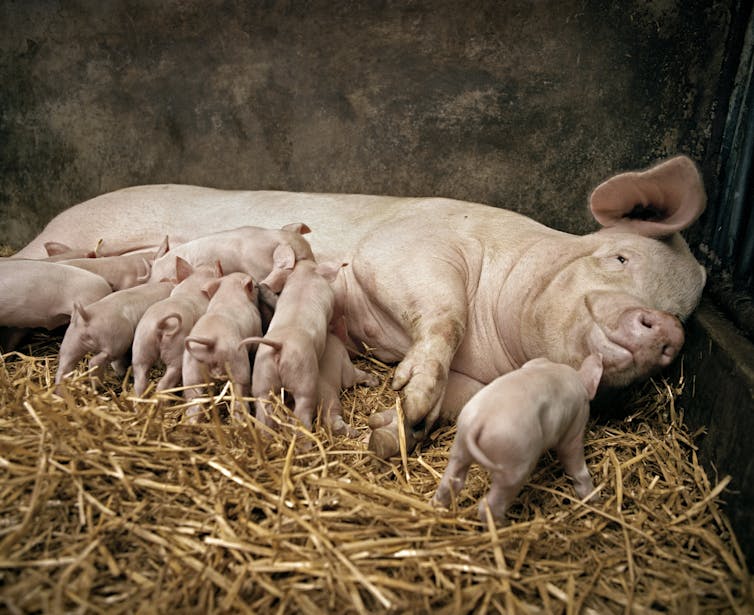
x=522, y=286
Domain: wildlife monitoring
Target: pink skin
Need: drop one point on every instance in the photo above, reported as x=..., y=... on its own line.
x=162, y=330
x=507, y=426
x=213, y=350
x=336, y=372
x=458, y=292
x=106, y=328
x=248, y=249
x=57, y=251
x=289, y=353
x=41, y=294
x=122, y=271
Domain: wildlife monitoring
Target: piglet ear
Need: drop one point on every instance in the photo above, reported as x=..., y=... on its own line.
x=163, y=249
x=210, y=288
x=218, y=269
x=284, y=257
x=590, y=373
x=53, y=248
x=660, y=201
x=81, y=310
x=329, y=271
x=297, y=227
x=183, y=269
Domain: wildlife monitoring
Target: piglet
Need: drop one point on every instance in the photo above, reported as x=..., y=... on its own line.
x=162, y=330
x=289, y=353
x=35, y=293
x=124, y=270
x=336, y=372
x=213, y=349
x=508, y=424
x=248, y=249
x=106, y=328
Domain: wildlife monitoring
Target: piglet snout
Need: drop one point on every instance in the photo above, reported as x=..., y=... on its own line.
x=656, y=335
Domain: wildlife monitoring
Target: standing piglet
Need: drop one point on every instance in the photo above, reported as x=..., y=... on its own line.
x=162, y=330
x=289, y=353
x=335, y=372
x=124, y=270
x=214, y=349
x=248, y=249
x=106, y=328
x=507, y=426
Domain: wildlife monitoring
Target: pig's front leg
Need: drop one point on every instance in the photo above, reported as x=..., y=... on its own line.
x=436, y=323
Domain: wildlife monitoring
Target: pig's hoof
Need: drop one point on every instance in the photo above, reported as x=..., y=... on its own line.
x=384, y=442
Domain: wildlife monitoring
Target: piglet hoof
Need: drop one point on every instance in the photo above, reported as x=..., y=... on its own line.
x=339, y=427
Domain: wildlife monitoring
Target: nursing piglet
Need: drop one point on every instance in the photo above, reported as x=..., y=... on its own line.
x=289, y=353
x=336, y=372
x=507, y=426
x=214, y=349
x=162, y=330
x=124, y=270
x=106, y=328
x=248, y=249
x=35, y=293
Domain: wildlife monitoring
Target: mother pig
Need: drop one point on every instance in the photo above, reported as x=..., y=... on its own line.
x=459, y=292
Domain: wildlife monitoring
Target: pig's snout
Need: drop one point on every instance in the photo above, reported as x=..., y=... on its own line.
x=656, y=335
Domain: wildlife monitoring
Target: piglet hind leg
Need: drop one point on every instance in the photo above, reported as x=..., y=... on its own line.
x=501, y=495
x=454, y=477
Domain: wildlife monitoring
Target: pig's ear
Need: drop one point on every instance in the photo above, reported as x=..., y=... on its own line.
x=329, y=271
x=146, y=272
x=276, y=280
x=591, y=373
x=183, y=269
x=250, y=287
x=53, y=248
x=81, y=311
x=210, y=288
x=284, y=257
x=163, y=249
x=660, y=201
x=297, y=227
x=218, y=269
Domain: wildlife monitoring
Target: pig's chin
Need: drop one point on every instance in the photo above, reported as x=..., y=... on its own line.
x=615, y=358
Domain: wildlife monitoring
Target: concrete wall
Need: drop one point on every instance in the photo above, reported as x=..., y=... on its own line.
x=521, y=104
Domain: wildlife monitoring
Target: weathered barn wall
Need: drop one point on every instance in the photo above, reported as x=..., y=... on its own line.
x=522, y=104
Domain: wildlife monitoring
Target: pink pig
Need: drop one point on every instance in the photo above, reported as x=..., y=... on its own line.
x=162, y=330
x=124, y=270
x=248, y=249
x=212, y=348
x=35, y=293
x=335, y=372
x=509, y=423
x=289, y=353
x=106, y=327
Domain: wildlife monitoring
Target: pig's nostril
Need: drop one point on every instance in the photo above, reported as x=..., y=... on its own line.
x=645, y=321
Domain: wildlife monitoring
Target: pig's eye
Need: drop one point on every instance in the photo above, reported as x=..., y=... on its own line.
x=621, y=259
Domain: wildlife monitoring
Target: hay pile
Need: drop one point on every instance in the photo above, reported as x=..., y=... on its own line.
x=111, y=504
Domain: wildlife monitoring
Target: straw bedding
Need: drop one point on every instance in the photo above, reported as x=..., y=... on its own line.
x=112, y=504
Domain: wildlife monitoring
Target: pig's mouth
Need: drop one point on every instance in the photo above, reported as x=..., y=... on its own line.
x=614, y=354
